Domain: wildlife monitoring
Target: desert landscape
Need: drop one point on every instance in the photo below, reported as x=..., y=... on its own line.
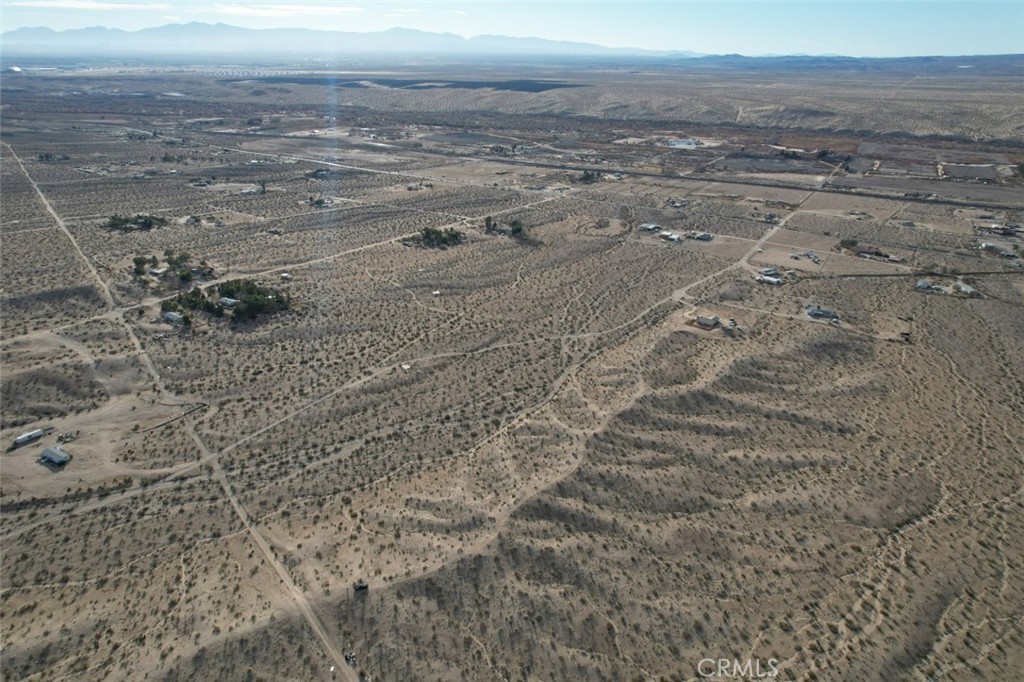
x=520, y=373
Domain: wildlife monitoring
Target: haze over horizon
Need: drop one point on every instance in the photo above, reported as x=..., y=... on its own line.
x=857, y=29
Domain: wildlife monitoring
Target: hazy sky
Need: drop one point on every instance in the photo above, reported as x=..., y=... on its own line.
x=851, y=27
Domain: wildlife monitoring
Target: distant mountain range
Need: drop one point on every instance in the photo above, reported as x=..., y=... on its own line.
x=221, y=43
x=222, y=39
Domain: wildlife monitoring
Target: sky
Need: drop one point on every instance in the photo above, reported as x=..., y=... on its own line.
x=859, y=28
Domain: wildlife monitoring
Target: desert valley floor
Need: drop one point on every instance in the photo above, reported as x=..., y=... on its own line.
x=680, y=391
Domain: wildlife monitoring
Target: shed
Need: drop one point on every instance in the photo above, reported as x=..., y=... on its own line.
x=968, y=290
x=228, y=302
x=708, y=322
x=172, y=317
x=55, y=455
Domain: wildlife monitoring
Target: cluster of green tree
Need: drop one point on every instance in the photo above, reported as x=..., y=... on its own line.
x=515, y=226
x=502, y=150
x=139, y=221
x=178, y=262
x=589, y=176
x=143, y=262
x=196, y=299
x=325, y=174
x=253, y=300
x=433, y=236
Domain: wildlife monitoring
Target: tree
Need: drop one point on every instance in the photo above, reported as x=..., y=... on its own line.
x=137, y=222
x=433, y=236
x=140, y=263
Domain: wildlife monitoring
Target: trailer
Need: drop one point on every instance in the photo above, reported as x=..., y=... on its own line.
x=29, y=437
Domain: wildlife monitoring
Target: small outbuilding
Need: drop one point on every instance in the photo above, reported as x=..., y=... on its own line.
x=172, y=317
x=708, y=322
x=55, y=455
x=967, y=290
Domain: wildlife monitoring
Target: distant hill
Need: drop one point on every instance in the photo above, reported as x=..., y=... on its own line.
x=222, y=39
